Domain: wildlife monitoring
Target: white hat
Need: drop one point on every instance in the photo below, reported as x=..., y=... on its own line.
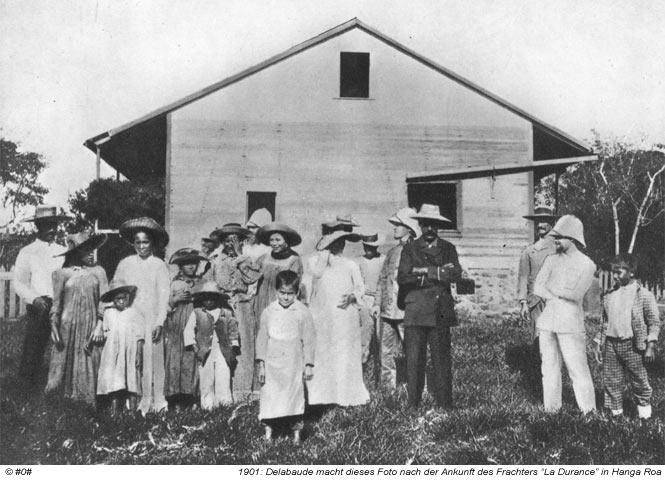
x=259, y=218
x=405, y=217
x=326, y=240
x=569, y=226
x=431, y=212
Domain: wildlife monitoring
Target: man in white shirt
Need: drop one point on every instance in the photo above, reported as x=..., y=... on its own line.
x=33, y=270
x=562, y=282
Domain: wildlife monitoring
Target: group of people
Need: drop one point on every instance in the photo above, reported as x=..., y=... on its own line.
x=247, y=314
x=554, y=275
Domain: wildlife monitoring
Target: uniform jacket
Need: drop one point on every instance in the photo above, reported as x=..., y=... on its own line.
x=226, y=328
x=531, y=260
x=427, y=297
x=645, y=319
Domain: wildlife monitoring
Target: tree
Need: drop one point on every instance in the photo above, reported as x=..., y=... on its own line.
x=19, y=174
x=620, y=199
x=109, y=203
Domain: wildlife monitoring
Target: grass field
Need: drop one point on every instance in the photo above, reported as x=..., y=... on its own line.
x=496, y=421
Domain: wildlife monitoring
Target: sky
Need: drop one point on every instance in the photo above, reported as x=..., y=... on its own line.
x=72, y=69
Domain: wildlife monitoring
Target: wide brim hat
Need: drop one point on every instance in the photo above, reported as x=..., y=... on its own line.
x=209, y=288
x=372, y=240
x=569, y=226
x=430, y=212
x=542, y=213
x=118, y=286
x=83, y=242
x=186, y=255
x=290, y=235
x=230, y=229
x=259, y=218
x=326, y=240
x=405, y=217
x=143, y=224
x=47, y=212
x=209, y=240
x=344, y=223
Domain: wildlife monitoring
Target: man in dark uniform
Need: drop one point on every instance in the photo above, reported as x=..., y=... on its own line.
x=427, y=268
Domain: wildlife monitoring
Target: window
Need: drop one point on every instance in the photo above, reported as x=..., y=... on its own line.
x=257, y=200
x=354, y=75
x=443, y=194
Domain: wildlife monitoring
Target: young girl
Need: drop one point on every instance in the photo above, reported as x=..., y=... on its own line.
x=180, y=372
x=285, y=357
x=212, y=332
x=151, y=276
x=122, y=358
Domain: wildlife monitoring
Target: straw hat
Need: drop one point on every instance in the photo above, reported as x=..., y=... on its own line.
x=144, y=224
x=83, y=242
x=186, y=255
x=569, y=226
x=117, y=286
x=259, y=218
x=326, y=240
x=344, y=223
x=430, y=212
x=290, y=235
x=230, y=229
x=405, y=217
x=542, y=212
x=47, y=212
x=209, y=288
x=372, y=240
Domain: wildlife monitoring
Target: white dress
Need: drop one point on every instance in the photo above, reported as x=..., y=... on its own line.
x=338, y=376
x=285, y=343
x=151, y=276
x=117, y=367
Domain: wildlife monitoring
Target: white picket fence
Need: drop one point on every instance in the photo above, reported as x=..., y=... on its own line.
x=11, y=306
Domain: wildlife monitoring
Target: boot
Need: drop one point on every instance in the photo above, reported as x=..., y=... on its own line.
x=296, y=436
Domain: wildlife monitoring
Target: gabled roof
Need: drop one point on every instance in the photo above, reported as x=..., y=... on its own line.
x=117, y=145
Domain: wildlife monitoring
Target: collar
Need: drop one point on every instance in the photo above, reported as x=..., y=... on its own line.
x=283, y=255
x=429, y=246
x=214, y=313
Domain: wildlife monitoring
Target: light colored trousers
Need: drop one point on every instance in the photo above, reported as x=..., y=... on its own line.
x=391, y=333
x=571, y=348
x=215, y=380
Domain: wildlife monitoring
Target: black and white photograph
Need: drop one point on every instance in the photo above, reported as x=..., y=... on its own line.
x=333, y=238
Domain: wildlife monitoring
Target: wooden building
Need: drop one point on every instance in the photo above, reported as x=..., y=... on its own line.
x=350, y=121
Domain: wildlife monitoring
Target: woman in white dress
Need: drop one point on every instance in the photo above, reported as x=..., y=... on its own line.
x=151, y=275
x=337, y=286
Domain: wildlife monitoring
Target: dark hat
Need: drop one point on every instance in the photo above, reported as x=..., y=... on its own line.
x=290, y=235
x=83, y=242
x=144, y=224
x=371, y=240
x=209, y=288
x=47, y=212
x=325, y=241
x=230, y=229
x=117, y=286
x=542, y=213
x=186, y=255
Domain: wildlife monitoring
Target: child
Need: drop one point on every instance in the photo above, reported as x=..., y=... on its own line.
x=628, y=335
x=121, y=363
x=212, y=331
x=180, y=369
x=285, y=357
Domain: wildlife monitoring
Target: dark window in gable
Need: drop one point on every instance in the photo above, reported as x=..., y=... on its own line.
x=354, y=75
x=443, y=194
